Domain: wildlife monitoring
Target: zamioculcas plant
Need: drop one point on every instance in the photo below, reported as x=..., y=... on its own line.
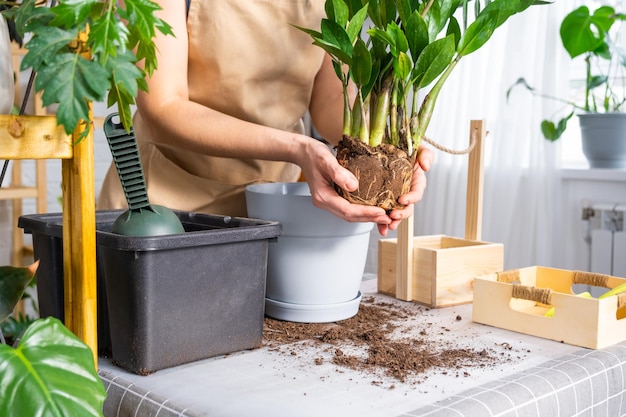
x=392, y=50
x=88, y=50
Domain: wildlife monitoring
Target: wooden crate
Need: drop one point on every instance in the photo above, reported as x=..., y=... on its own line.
x=443, y=268
x=518, y=300
x=438, y=270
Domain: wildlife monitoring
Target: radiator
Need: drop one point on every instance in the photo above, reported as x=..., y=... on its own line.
x=608, y=238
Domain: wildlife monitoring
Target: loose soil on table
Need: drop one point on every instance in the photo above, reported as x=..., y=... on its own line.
x=376, y=342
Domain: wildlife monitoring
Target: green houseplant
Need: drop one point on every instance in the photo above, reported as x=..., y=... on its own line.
x=593, y=37
x=48, y=371
x=88, y=50
x=399, y=54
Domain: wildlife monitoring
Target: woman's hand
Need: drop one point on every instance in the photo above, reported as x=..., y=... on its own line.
x=322, y=171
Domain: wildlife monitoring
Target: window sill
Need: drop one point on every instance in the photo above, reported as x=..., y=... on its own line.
x=592, y=174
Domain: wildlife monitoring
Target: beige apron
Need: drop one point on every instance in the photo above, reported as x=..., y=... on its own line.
x=246, y=60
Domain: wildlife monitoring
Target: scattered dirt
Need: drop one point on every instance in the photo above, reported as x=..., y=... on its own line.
x=376, y=342
x=384, y=172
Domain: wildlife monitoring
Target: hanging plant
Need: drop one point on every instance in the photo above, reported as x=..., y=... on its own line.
x=87, y=51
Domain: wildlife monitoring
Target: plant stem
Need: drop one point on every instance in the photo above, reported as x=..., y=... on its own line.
x=588, y=79
x=347, y=114
x=393, y=115
x=380, y=112
x=426, y=111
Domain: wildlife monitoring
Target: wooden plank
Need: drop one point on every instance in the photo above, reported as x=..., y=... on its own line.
x=33, y=137
x=79, y=243
x=475, y=176
x=12, y=193
x=404, y=260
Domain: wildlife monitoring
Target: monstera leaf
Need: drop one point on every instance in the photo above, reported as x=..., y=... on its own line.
x=50, y=373
x=13, y=282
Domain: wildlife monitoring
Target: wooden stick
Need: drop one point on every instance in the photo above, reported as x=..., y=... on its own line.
x=475, y=176
x=79, y=243
x=404, y=260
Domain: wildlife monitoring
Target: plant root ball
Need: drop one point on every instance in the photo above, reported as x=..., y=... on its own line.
x=384, y=173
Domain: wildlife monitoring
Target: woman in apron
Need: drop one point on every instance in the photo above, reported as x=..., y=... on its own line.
x=225, y=109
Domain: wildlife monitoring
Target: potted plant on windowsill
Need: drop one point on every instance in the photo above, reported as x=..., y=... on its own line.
x=594, y=37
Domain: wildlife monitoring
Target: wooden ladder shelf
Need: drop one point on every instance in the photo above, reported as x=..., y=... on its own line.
x=39, y=137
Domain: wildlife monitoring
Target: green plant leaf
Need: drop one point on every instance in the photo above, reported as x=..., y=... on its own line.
x=402, y=66
x=416, y=32
x=72, y=81
x=142, y=25
x=553, y=131
x=490, y=18
x=597, y=81
x=107, y=36
x=13, y=282
x=50, y=373
x=337, y=11
x=70, y=12
x=400, y=43
x=438, y=16
x=355, y=26
x=45, y=45
x=361, y=63
x=433, y=61
x=582, y=32
x=28, y=17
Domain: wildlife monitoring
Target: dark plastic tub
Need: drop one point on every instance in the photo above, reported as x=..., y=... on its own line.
x=171, y=299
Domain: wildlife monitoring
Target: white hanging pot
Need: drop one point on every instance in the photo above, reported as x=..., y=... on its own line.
x=316, y=265
x=6, y=69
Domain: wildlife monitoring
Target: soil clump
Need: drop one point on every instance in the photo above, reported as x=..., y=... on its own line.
x=384, y=172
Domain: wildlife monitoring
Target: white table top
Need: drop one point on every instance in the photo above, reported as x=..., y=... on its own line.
x=268, y=381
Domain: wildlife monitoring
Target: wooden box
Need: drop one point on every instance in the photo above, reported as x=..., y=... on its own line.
x=518, y=300
x=444, y=268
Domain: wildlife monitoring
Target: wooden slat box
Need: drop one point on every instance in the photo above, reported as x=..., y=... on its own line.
x=444, y=268
x=518, y=300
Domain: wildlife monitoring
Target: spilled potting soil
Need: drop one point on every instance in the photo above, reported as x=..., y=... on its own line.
x=384, y=341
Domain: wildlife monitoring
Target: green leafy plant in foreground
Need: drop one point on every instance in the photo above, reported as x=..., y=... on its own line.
x=590, y=36
x=50, y=373
x=88, y=50
x=393, y=49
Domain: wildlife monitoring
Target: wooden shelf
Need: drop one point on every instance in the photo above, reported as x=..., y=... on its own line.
x=12, y=193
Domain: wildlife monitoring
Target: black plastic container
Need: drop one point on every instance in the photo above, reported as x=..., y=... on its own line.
x=171, y=299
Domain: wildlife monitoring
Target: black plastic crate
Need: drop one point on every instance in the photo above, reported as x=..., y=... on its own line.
x=170, y=299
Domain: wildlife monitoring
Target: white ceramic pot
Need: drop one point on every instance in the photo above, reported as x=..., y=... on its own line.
x=316, y=265
x=6, y=69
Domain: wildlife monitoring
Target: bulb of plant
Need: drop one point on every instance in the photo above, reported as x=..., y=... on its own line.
x=589, y=36
x=393, y=50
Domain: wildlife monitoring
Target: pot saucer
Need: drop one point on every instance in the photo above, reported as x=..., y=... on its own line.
x=312, y=313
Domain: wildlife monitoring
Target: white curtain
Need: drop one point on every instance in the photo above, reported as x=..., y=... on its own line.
x=521, y=185
x=6, y=69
